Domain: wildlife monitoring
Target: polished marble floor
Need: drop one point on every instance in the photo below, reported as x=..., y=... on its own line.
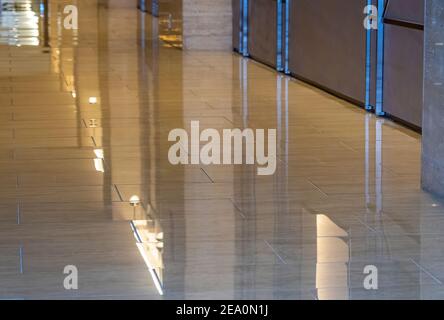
x=346, y=193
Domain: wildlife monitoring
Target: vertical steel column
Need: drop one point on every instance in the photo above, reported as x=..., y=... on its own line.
x=244, y=15
x=142, y=5
x=243, y=28
x=279, y=27
x=287, y=36
x=283, y=33
x=368, y=61
x=155, y=8
x=380, y=65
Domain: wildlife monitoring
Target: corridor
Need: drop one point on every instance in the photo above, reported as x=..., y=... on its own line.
x=86, y=181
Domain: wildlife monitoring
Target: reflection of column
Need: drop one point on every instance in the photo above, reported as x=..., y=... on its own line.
x=223, y=224
x=287, y=127
x=109, y=111
x=283, y=223
x=279, y=110
x=46, y=23
x=243, y=75
x=378, y=166
x=243, y=183
x=69, y=60
x=367, y=161
x=170, y=21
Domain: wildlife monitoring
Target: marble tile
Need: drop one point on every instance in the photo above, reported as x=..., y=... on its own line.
x=90, y=184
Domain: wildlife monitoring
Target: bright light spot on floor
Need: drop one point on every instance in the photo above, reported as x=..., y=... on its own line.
x=98, y=164
x=92, y=100
x=151, y=269
x=99, y=153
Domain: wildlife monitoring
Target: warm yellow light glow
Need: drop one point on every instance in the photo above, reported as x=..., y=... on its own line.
x=92, y=100
x=19, y=25
x=145, y=231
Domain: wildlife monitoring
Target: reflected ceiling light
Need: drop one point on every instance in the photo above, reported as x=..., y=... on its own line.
x=159, y=236
x=99, y=153
x=93, y=123
x=98, y=164
x=92, y=100
x=134, y=201
x=150, y=268
x=74, y=94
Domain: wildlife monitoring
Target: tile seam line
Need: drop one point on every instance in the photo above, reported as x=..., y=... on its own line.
x=275, y=252
x=426, y=271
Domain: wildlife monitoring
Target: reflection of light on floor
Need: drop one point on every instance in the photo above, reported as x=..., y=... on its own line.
x=173, y=40
x=145, y=251
x=92, y=100
x=99, y=153
x=171, y=30
x=150, y=245
x=332, y=260
x=98, y=161
x=98, y=164
x=19, y=24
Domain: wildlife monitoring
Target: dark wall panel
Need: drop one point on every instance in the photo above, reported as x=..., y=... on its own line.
x=262, y=31
x=406, y=10
x=403, y=73
x=236, y=23
x=150, y=5
x=328, y=44
x=403, y=61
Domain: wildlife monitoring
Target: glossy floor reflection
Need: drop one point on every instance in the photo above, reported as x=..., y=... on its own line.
x=85, y=177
